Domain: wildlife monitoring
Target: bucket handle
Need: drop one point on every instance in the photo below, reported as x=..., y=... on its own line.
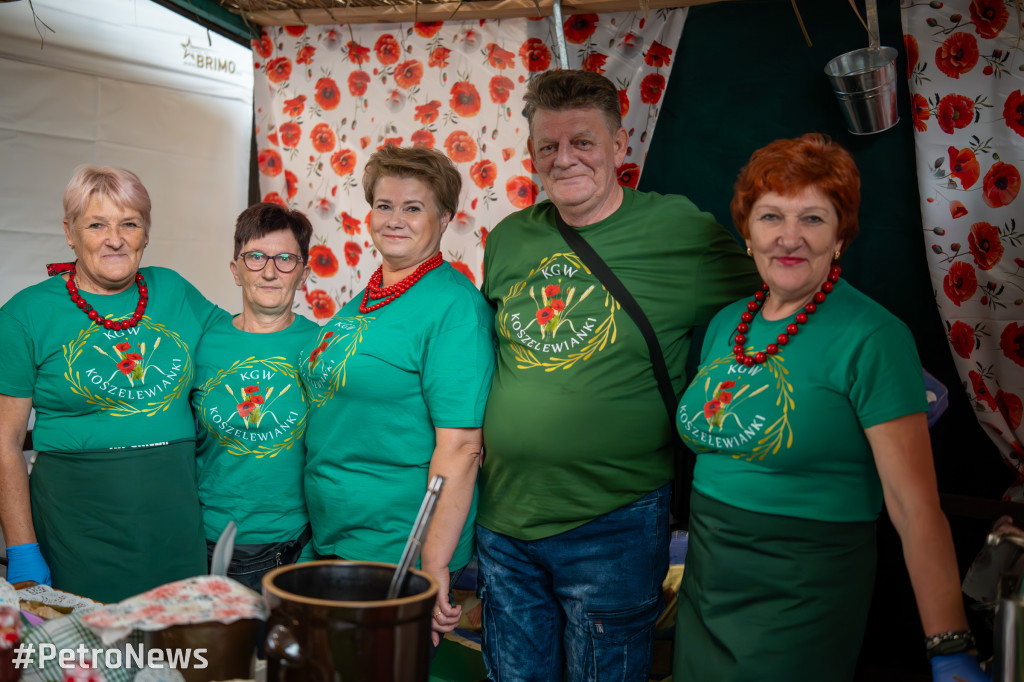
x=281, y=644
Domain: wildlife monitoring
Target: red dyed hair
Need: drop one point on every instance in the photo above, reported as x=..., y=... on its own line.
x=789, y=166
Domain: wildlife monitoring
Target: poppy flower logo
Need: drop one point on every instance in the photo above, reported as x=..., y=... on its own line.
x=352, y=253
x=323, y=138
x=658, y=55
x=1011, y=342
x=955, y=112
x=357, y=82
x=554, y=307
x=464, y=269
x=960, y=283
x=270, y=163
x=274, y=198
x=253, y=407
x=651, y=88
x=1001, y=184
x=985, y=245
x=356, y=53
x=343, y=161
x=327, y=94
x=133, y=364
x=981, y=392
x=264, y=47
x=427, y=113
x=465, y=100
x=1013, y=112
x=408, y=74
x=910, y=45
x=291, y=183
x=460, y=147
x=989, y=17
x=294, y=106
x=279, y=69
x=624, y=102
x=322, y=261
x=629, y=175
x=961, y=337
x=439, y=57
x=521, y=191
x=957, y=209
x=422, y=138
x=349, y=224
x=427, y=29
x=594, y=62
x=387, y=49
x=323, y=305
x=305, y=54
x=483, y=173
x=500, y=88
x=1010, y=406
x=964, y=166
x=499, y=58
x=535, y=55
x=579, y=28
x=957, y=55
x=291, y=133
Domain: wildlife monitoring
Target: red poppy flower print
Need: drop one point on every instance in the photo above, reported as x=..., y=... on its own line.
x=961, y=337
x=957, y=209
x=624, y=102
x=422, y=138
x=558, y=305
x=465, y=99
x=954, y=112
x=921, y=110
x=123, y=346
x=270, y=163
x=322, y=261
x=500, y=58
x=291, y=133
x=427, y=29
x=552, y=290
x=545, y=314
x=323, y=306
x=1013, y=112
x=387, y=49
x=960, y=283
x=305, y=54
x=323, y=138
x=343, y=162
x=349, y=224
x=521, y=191
x=352, y=253
x=528, y=165
x=356, y=53
x=264, y=47
x=279, y=69
x=439, y=57
x=246, y=408
x=251, y=389
x=629, y=175
x=126, y=366
x=134, y=357
x=500, y=88
x=535, y=55
x=1011, y=342
x=711, y=408
x=483, y=173
x=1010, y=406
x=594, y=62
x=460, y=147
x=327, y=94
x=651, y=88
x=964, y=166
x=910, y=45
x=1001, y=184
x=291, y=183
x=658, y=55
x=989, y=17
x=427, y=113
x=408, y=74
x=357, y=82
x=981, y=393
x=464, y=269
x=985, y=245
x=957, y=55
x=579, y=28
x=274, y=198
x=294, y=106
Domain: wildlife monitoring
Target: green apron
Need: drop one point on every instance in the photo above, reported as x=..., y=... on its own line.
x=114, y=523
x=771, y=598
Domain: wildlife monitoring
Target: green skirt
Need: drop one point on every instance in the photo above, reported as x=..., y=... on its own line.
x=771, y=598
x=114, y=523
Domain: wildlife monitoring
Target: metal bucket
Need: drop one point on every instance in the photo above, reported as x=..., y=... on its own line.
x=864, y=82
x=1008, y=644
x=329, y=620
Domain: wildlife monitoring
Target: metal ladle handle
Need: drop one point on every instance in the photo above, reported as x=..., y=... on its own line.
x=419, y=532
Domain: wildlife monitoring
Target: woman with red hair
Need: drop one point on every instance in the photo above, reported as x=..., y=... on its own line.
x=808, y=411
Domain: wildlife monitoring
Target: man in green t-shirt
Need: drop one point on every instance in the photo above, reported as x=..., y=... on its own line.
x=573, y=517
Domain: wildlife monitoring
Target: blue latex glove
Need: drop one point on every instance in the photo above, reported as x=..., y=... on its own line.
x=25, y=562
x=957, y=668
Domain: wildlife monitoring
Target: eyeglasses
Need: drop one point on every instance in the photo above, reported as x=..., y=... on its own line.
x=257, y=261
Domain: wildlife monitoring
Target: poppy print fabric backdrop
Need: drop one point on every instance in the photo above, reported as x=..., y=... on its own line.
x=326, y=97
x=966, y=74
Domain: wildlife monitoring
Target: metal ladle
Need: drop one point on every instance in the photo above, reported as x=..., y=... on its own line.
x=419, y=532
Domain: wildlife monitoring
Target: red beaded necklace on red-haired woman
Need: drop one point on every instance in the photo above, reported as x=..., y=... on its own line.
x=384, y=295
x=792, y=328
x=76, y=298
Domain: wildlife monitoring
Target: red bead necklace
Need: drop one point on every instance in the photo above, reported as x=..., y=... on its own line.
x=140, y=307
x=374, y=291
x=792, y=328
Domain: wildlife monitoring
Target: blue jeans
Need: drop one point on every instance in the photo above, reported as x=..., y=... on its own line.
x=586, y=599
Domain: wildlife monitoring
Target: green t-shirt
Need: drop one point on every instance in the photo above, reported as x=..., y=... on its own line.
x=787, y=437
x=252, y=411
x=94, y=388
x=575, y=425
x=378, y=384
